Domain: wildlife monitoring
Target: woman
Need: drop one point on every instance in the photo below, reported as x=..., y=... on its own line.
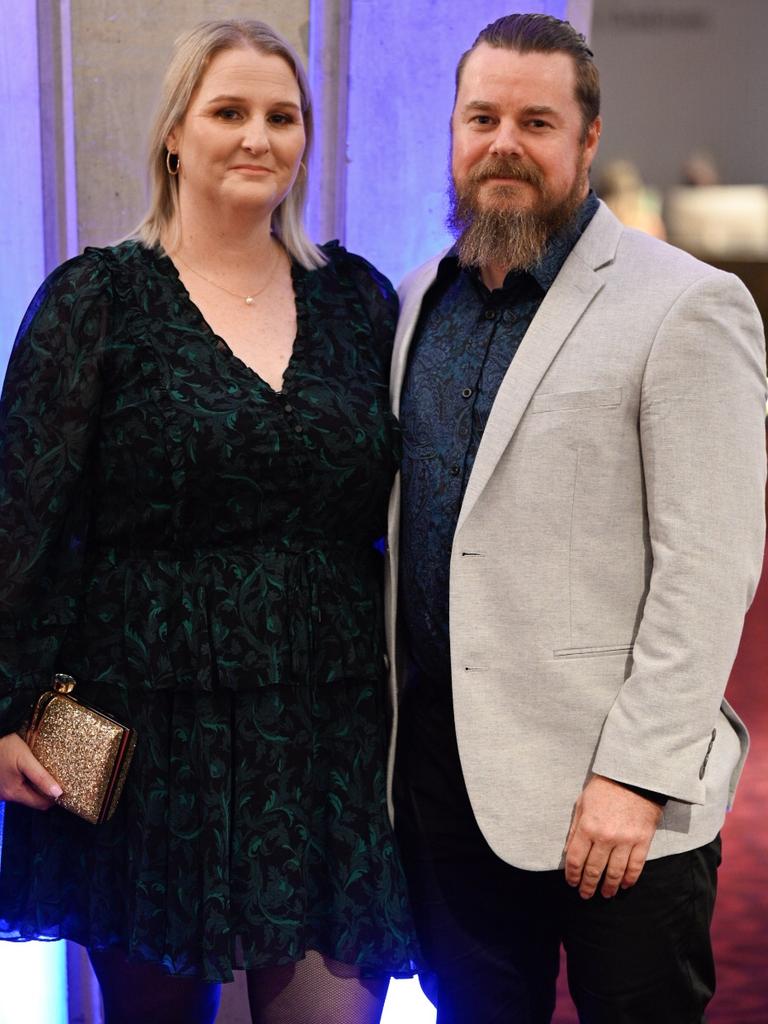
x=197, y=455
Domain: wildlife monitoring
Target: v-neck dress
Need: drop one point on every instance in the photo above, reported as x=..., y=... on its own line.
x=198, y=551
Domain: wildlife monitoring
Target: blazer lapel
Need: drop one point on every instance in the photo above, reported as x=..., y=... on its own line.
x=573, y=290
x=411, y=292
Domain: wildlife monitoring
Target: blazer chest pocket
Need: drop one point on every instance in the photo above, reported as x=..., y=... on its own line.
x=573, y=401
x=601, y=651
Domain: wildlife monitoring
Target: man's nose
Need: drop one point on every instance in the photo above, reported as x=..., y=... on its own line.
x=506, y=140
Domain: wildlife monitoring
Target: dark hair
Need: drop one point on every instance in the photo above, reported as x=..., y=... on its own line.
x=541, y=33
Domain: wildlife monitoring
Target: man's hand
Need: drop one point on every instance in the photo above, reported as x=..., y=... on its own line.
x=22, y=778
x=611, y=832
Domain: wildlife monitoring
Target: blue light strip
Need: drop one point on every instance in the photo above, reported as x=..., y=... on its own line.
x=33, y=982
x=407, y=1004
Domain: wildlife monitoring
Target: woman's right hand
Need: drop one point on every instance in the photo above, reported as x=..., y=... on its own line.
x=22, y=778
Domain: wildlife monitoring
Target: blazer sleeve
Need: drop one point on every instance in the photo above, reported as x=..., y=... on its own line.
x=702, y=416
x=48, y=421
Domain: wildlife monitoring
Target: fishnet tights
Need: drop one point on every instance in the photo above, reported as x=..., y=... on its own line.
x=316, y=990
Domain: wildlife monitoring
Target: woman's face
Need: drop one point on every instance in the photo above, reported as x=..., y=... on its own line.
x=242, y=137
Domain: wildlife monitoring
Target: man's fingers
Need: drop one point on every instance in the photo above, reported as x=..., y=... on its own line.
x=593, y=870
x=635, y=865
x=611, y=833
x=615, y=871
x=576, y=853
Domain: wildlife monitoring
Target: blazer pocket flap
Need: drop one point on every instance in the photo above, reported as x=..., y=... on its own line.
x=567, y=401
x=592, y=652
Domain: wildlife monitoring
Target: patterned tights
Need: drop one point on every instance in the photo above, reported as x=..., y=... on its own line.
x=316, y=990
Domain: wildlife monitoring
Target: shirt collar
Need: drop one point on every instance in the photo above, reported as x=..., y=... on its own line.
x=550, y=264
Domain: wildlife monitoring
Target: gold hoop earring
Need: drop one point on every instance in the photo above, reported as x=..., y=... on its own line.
x=173, y=169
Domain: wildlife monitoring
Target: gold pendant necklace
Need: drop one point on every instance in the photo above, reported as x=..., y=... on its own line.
x=247, y=299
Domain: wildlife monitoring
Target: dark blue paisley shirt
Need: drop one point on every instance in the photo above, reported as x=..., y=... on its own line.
x=464, y=343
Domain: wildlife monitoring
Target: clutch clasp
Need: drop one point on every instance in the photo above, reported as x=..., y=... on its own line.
x=63, y=683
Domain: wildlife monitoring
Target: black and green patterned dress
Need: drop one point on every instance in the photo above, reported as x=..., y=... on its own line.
x=198, y=550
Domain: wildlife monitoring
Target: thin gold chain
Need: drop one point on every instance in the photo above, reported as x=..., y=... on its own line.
x=247, y=299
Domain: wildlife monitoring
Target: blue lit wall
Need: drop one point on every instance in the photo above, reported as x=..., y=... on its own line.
x=402, y=62
x=23, y=966
x=21, y=204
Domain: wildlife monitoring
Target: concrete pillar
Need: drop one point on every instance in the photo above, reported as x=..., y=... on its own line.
x=328, y=70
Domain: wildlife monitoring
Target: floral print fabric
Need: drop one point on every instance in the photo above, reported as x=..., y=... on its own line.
x=197, y=550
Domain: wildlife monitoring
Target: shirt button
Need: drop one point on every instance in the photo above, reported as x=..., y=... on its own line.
x=455, y=470
x=288, y=407
x=466, y=393
x=490, y=314
x=298, y=428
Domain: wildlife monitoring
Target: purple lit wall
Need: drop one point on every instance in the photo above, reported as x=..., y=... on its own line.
x=21, y=204
x=402, y=59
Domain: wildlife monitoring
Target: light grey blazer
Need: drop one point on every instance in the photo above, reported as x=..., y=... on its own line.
x=609, y=543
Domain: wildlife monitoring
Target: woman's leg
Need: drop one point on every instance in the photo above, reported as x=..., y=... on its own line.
x=145, y=992
x=316, y=990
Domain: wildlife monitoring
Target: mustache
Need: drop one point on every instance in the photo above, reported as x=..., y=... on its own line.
x=499, y=167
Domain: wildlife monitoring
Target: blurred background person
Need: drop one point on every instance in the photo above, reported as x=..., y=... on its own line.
x=621, y=188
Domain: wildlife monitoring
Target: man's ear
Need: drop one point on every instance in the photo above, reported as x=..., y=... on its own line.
x=592, y=140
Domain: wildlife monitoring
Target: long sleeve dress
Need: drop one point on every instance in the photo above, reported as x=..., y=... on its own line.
x=197, y=550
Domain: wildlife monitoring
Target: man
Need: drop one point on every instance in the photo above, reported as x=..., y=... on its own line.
x=579, y=524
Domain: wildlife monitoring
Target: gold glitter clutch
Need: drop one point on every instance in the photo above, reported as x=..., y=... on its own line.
x=86, y=751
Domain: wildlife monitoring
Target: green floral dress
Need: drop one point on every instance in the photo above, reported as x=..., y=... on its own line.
x=198, y=551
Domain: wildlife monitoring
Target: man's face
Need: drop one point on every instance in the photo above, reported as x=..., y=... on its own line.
x=517, y=133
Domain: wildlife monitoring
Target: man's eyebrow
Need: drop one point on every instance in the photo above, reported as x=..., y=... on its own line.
x=535, y=110
x=482, y=105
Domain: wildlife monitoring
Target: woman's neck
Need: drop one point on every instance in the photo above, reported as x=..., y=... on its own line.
x=227, y=242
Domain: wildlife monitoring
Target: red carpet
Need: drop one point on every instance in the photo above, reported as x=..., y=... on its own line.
x=740, y=929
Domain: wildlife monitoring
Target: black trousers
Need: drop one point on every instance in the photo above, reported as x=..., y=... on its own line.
x=491, y=933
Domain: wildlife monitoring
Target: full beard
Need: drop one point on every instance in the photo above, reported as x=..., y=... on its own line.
x=499, y=234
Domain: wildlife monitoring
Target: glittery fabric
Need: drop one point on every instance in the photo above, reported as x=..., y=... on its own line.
x=85, y=752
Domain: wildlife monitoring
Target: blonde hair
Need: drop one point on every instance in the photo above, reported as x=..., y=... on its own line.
x=193, y=53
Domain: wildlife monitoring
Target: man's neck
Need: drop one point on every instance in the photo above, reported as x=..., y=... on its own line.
x=493, y=275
